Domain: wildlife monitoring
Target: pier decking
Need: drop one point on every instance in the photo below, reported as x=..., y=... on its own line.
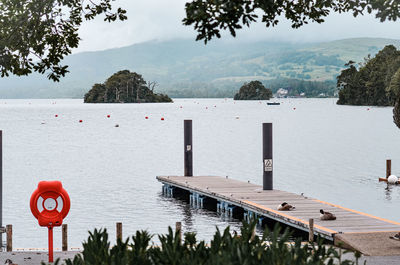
x=263, y=203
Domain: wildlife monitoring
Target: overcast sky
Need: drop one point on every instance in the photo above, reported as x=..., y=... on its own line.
x=162, y=20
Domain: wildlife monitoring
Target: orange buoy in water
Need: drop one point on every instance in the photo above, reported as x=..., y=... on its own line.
x=368, y=109
x=180, y=107
x=206, y=107
x=294, y=108
x=56, y=115
x=146, y=118
x=108, y=116
x=80, y=121
x=162, y=119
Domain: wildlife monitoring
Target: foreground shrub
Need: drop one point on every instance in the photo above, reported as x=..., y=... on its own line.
x=272, y=248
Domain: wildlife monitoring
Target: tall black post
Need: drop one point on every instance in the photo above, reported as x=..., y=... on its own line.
x=187, y=125
x=267, y=156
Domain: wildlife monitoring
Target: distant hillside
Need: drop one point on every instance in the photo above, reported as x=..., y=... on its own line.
x=217, y=69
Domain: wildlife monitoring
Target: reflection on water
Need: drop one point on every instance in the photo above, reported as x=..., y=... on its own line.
x=388, y=192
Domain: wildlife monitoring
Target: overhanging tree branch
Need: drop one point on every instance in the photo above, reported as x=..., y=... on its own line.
x=210, y=17
x=47, y=29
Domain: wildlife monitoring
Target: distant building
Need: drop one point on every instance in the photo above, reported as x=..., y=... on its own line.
x=282, y=93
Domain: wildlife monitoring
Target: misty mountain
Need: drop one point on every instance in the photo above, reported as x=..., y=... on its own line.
x=215, y=69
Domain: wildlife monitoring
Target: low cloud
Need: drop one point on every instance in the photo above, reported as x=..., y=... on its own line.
x=162, y=20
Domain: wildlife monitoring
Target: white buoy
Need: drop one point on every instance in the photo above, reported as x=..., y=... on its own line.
x=392, y=179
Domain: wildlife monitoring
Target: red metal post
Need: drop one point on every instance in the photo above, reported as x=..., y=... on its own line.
x=50, y=244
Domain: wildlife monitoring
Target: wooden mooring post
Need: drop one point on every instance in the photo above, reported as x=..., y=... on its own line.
x=388, y=168
x=311, y=230
x=267, y=157
x=178, y=229
x=388, y=172
x=188, y=145
x=9, y=238
x=119, y=231
x=64, y=237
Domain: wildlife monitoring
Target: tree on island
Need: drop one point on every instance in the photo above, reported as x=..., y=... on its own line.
x=376, y=82
x=125, y=87
x=254, y=90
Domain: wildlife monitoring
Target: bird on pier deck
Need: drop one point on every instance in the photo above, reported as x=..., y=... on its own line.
x=285, y=207
x=326, y=215
x=9, y=262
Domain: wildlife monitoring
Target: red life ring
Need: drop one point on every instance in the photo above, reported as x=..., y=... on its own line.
x=50, y=203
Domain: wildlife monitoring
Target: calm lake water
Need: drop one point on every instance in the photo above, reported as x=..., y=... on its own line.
x=333, y=153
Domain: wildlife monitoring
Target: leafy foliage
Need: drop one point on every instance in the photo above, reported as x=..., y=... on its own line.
x=396, y=113
x=377, y=82
x=254, y=90
x=272, y=248
x=124, y=87
x=209, y=16
x=35, y=35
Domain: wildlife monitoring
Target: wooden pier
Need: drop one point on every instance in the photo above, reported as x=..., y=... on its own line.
x=356, y=230
x=252, y=200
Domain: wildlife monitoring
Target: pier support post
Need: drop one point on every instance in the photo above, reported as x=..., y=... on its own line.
x=388, y=168
x=119, y=231
x=188, y=154
x=178, y=229
x=9, y=237
x=311, y=230
x=267, y=157
x=64, y=237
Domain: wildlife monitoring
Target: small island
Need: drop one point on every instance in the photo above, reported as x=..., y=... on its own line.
x=125, y=87
x=254, y=90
